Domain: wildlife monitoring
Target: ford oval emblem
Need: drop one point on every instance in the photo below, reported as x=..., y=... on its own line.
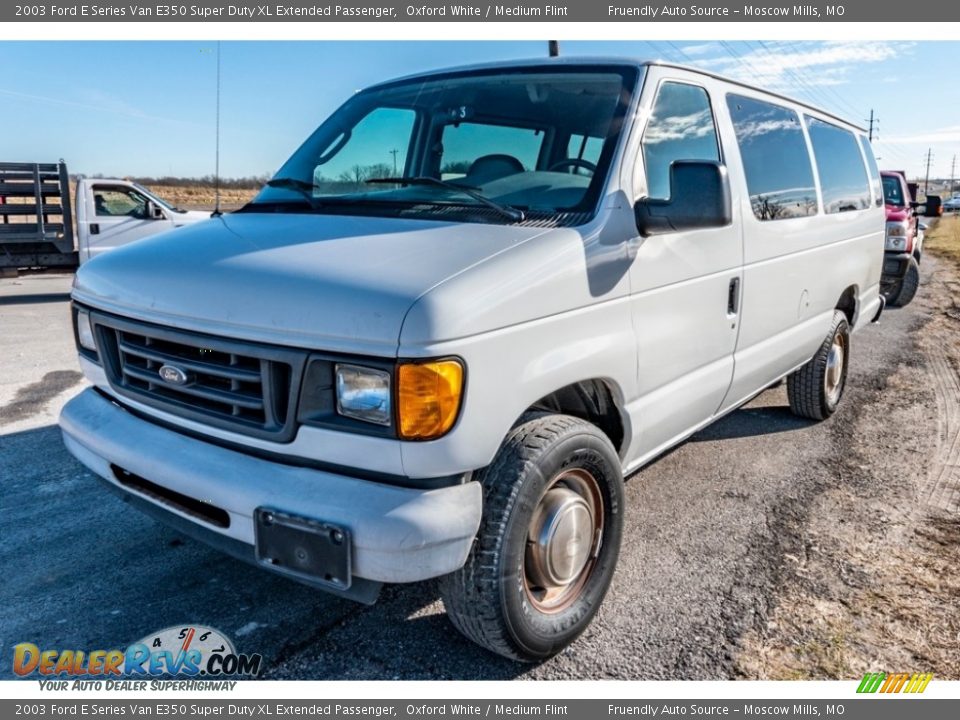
x=173, y=375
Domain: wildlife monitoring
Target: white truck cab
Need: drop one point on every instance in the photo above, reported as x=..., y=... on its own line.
x=113, y=212
x=467, y=306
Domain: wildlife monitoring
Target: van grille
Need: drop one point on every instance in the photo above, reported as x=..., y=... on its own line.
x=235, y=385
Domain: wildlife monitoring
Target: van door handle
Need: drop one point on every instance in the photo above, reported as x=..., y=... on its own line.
x=94, y=228
x=733, y=297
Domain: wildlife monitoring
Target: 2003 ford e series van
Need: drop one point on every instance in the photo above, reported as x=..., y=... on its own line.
x=465, y=308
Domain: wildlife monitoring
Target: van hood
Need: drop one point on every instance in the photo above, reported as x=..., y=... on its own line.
x=315, y=281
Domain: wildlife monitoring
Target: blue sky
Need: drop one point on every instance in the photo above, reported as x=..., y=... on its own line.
x=148, y=108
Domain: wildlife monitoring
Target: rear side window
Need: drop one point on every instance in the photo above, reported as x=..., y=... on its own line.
x=843, y=177
x=681, y=127
x=775, y=159
x=872, y=169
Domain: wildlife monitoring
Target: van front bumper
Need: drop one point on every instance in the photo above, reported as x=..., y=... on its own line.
x=397, y=534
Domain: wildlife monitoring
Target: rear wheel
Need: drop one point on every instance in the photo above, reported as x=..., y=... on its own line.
x=548, y=542
x=815, y=389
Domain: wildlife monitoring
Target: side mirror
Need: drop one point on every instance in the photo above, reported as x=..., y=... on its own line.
x=699, y=199
x=154, y=211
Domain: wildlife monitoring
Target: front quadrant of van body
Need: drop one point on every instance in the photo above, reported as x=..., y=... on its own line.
x=681, y=292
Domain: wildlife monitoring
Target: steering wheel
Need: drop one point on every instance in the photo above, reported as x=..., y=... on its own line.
x=573, y=163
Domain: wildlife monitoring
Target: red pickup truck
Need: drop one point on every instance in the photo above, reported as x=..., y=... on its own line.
x=904, y=241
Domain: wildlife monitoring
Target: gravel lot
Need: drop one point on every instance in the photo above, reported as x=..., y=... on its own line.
x=732, y=557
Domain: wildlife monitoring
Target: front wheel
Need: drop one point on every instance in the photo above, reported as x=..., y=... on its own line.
x=548, y=543
x=815, y=389
x=908, y=286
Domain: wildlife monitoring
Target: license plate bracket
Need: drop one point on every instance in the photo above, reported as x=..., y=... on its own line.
x=305, y=548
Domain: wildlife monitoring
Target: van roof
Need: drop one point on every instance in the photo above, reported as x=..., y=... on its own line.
x=608, y=61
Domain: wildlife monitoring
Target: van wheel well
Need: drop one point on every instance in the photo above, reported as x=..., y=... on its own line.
x=849, y=304
x=589, y=400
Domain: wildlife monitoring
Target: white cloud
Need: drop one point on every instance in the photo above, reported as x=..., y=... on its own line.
x=102, y=103
x=702, y=49
x=784, y=66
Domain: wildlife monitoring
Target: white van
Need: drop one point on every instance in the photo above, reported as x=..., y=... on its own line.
x=465, y=308
x=112, y=212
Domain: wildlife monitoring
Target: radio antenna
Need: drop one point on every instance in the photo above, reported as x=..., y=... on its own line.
x=216, y=172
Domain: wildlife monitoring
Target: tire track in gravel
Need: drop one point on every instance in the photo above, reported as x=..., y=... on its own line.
x=943, y=485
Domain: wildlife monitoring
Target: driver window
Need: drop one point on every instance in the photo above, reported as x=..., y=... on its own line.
x=681, y=127
x=119, y=202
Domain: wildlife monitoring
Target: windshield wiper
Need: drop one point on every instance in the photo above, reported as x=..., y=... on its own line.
x=507, y=211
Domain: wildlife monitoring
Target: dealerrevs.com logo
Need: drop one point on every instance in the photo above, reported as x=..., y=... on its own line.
x=181, y=651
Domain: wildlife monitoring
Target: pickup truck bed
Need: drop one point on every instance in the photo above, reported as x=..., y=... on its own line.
x=36, y=221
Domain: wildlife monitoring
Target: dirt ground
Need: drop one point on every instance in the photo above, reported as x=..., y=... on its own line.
x=870, y=581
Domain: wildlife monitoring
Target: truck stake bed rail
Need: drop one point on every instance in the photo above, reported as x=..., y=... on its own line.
x=36, y=221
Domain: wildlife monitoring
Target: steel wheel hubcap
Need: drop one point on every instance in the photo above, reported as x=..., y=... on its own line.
x=834, y=375
x=563, y=540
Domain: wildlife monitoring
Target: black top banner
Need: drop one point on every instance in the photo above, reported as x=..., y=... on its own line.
x=433, y=11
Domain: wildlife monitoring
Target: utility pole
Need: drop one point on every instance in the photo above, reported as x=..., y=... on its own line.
x=953, y=172
x=394, y=153
x=926, y=182
x=870, y=135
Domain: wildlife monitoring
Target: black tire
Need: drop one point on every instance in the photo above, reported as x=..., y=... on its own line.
x=491, y=599
x=816, y=388
x=908, y=286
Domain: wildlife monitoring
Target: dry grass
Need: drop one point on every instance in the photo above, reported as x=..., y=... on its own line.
x=944, y=238
x=202, y=198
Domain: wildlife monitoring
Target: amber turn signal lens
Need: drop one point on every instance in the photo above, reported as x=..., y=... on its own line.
x=428, y=398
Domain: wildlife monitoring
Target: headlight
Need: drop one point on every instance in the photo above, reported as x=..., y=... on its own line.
x=428, y=398
x=896, y=236
x=363, y=393
x=85, y=331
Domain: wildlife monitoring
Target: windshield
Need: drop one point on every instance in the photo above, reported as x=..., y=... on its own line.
x=534, y=140
x=892, y=191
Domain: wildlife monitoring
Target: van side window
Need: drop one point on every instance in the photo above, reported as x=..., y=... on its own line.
x=775, y=159
x=873, y=169
x=843, y=178
x=681, y=127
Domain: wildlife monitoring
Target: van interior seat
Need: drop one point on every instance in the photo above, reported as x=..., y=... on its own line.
x=487, y=168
